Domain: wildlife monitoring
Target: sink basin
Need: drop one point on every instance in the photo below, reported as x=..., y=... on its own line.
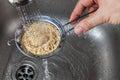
x=93, y=55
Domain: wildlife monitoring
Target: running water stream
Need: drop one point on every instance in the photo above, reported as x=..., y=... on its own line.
x=27, y=11
x=47, y=73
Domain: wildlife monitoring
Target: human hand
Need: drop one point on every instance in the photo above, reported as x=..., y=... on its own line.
x=107, y=11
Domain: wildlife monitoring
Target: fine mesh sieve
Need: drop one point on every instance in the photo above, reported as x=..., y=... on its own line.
x=20, y=32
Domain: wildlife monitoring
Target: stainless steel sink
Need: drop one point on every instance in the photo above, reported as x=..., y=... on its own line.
x=94, y=55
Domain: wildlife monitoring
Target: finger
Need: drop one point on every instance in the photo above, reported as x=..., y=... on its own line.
x=88, y=23
x=78, y=10
x=87, y=3
x=92, y=8
x=80, y=7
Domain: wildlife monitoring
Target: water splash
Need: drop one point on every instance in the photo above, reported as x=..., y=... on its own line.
x=47, y=74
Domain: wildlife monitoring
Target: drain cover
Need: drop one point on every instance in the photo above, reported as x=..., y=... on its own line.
x=25, y=72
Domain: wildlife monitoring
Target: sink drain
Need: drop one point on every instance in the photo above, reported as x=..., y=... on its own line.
x=25, y=72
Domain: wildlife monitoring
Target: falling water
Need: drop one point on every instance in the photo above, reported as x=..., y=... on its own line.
x=47, y=73
x=27, y=11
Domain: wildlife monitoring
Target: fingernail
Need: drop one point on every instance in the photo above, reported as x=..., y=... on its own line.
x=78, y=30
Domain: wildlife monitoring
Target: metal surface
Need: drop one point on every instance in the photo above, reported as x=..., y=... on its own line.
x=18, y=3
x=94, y=55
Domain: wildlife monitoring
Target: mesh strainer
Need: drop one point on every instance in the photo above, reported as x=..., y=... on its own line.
x=20, y=31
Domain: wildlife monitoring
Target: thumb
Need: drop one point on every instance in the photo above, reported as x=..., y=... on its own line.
x=88, y=23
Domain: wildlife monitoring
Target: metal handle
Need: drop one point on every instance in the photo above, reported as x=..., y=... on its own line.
x=77, y=20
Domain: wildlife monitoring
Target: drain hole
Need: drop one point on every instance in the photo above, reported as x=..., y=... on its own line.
x=25, y=72
x=31, y=76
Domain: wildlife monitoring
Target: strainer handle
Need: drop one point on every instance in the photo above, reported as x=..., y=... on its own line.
x=76, y=20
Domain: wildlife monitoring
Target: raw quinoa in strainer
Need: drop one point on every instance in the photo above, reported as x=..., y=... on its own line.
x=40, y=38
